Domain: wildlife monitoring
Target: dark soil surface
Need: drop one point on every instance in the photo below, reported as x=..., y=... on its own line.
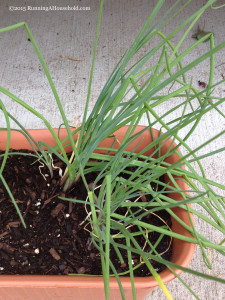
x=54, y=242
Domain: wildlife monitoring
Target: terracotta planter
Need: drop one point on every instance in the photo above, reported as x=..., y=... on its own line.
x=44, y=287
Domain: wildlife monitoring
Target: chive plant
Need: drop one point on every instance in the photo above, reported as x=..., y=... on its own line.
x=138, y=87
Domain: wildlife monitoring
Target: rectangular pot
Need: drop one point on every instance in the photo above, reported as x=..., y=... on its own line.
x=48, y=287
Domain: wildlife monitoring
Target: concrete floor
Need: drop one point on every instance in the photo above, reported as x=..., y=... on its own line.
x=72, y=34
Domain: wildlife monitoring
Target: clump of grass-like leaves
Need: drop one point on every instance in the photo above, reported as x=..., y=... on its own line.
x=134, y=91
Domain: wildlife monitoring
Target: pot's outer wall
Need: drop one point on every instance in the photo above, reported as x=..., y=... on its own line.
x=35, y=287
